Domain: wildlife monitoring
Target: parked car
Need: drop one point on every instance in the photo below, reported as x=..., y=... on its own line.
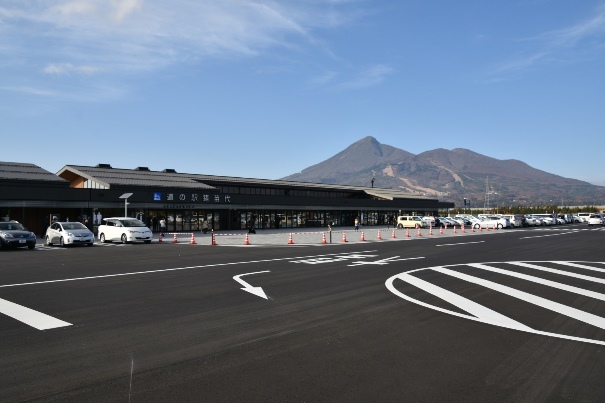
x=584, y=216
x=451, y=222
x=492, y=222
x=516, y=220
x=124, y=229
x=15, y=235
x=533, y=220
x=69, y=233
x=594, y=219
x=408, y=221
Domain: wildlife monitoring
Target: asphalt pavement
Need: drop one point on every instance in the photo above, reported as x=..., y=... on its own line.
x=506, y=315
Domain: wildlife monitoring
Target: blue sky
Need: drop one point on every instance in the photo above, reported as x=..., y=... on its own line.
x=264, y=89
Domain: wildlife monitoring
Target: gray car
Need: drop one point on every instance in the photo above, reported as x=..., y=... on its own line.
x=15, y=235
x=69, y=233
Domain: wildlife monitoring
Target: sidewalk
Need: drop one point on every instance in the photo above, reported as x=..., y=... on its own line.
x=310, y=236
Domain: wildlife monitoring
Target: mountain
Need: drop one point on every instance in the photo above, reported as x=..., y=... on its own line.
x=450, y=175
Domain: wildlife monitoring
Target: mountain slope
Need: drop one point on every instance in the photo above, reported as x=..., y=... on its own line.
x=450, y=175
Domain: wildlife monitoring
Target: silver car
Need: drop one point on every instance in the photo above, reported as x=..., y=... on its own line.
x=69, y=233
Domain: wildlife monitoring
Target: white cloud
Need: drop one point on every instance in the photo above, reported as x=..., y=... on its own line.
x=564, y=44
x=68, y=68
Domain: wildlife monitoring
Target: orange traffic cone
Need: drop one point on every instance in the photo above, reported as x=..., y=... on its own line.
x=393, y=234
x=431, y=230
x=323, y=238
x=213, y=239
x=378, y=236
x=160, y=240
x=407, y=233
x=290, y=241
x=454, y=229
x=440, y=230
x=363, y=238
x=174, y=240
x=246, y=241
x=344, y=236
x=192, y=239
x=419, y=234
x=463, y=229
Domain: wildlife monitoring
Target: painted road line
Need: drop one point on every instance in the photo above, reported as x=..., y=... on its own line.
x=561, y=272
x=574, y=313
x=461, y=243
x=30, y=317
x=258, y=291
x=539, y=280
x=477, y=312
x=173, y=269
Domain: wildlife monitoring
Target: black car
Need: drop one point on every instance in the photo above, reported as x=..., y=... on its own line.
x=15, y=235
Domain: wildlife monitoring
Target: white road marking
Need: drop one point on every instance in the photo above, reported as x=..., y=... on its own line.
x=485, y=315
x=461, y=243
x=539, y=280
x=171, y=269
x=561, y=272
x=258, y=291
x=478, y=312
x=585, y=317
x=30, y=317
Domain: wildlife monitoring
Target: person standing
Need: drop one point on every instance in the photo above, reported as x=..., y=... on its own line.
x=162, y=226
x=205, y=226
x=356, y=223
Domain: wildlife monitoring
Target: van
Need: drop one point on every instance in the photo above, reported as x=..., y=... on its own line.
x=409, y=221
x=584, y=216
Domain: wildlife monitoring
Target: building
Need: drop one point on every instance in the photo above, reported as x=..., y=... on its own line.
x=86, y=193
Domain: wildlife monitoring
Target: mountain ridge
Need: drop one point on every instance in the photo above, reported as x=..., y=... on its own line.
x=449, y=175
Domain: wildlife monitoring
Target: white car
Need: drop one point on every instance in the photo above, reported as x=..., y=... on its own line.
x=124, y=229
x=595, y=219
x=69, y=233
x=492, y=222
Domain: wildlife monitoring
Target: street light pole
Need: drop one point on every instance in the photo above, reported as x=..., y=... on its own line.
x=125, y=196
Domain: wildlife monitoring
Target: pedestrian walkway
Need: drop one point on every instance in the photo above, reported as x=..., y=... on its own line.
x=313, y=236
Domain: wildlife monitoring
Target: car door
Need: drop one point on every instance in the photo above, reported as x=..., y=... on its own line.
x=54, y=233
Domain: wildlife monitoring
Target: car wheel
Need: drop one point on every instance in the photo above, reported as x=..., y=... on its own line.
x=48, y=242
x=399, y=226
x=61, y=242
x=500, y=226
x=124, y=239
x=476, y=226
x=102, y=238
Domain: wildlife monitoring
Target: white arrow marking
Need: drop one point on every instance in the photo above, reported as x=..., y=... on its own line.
x=247, y=287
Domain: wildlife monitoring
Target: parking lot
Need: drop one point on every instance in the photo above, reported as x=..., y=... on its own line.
x=462, y=316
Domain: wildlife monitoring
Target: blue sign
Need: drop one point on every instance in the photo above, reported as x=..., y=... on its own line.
x=157, y=196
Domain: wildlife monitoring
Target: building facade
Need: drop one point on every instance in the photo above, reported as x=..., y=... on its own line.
x=35, y=197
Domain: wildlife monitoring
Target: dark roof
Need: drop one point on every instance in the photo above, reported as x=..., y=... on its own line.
x=26, y=172
x=108, y=176
x=133, y=177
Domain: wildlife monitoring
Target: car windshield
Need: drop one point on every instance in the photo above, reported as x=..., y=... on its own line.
x=132, y=223
x=73, y=225
x=11, y=226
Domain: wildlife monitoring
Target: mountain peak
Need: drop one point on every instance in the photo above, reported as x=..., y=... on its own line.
x=449, y=175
